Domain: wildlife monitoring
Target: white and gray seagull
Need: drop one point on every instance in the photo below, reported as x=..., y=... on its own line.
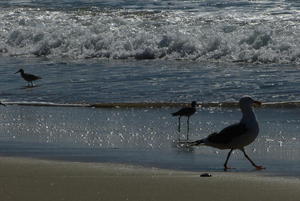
x=236, y=136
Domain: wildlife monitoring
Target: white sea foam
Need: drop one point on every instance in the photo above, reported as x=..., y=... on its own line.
x=172, y=35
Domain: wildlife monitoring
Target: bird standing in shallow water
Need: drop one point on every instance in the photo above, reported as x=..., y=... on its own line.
x=28, y=77
x=186, y=111
x=236, y=136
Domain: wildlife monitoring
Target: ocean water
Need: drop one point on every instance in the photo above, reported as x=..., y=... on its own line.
x=204, y=30
x=145, y=136
x=113, y=51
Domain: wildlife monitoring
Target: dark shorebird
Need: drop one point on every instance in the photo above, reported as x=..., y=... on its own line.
x=238, y=135
x=2, y=103
x=186, y=111
x=28, y=77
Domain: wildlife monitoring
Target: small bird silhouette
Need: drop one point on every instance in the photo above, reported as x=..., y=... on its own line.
x=28, y=77
x=186, y=111
x=236, y=136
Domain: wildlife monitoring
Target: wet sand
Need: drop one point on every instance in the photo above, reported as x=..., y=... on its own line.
x=36, y=180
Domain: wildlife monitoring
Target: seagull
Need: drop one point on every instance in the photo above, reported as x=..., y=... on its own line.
x=186, y=111
x=236, y=136
x=28, y=77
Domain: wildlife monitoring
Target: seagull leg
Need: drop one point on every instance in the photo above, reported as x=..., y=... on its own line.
x=225, y=165
x=179, y=124
x=258, y=167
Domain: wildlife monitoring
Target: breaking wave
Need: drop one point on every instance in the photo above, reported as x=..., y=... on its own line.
x=286, y=104
x=132, y=34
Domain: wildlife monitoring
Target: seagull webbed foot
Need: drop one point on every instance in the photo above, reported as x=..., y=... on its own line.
x=228, y=168
x=259, y=167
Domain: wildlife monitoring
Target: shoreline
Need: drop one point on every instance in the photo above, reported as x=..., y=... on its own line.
x=35, y=179
x=145, y=137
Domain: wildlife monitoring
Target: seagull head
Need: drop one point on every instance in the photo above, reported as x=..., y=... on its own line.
x=20, y=71
x=247, y=102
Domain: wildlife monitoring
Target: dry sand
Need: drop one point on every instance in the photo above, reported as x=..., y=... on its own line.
x=41, y=180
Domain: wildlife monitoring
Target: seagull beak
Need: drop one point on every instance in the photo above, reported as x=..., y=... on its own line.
x=17, y=72
x=258, y=103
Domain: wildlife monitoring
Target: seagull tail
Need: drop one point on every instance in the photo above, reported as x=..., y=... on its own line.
x=197, y=143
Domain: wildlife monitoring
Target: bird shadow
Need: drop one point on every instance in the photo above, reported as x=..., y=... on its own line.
x=182, y=146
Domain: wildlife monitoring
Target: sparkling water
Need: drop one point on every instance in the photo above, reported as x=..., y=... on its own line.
x=90, y=51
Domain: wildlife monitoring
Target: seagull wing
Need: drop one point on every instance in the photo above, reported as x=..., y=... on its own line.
x=228, y=134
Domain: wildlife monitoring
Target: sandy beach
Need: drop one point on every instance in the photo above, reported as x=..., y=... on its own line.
x=32, y=179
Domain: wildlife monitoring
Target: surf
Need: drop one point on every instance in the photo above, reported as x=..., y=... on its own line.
x=128, y=34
